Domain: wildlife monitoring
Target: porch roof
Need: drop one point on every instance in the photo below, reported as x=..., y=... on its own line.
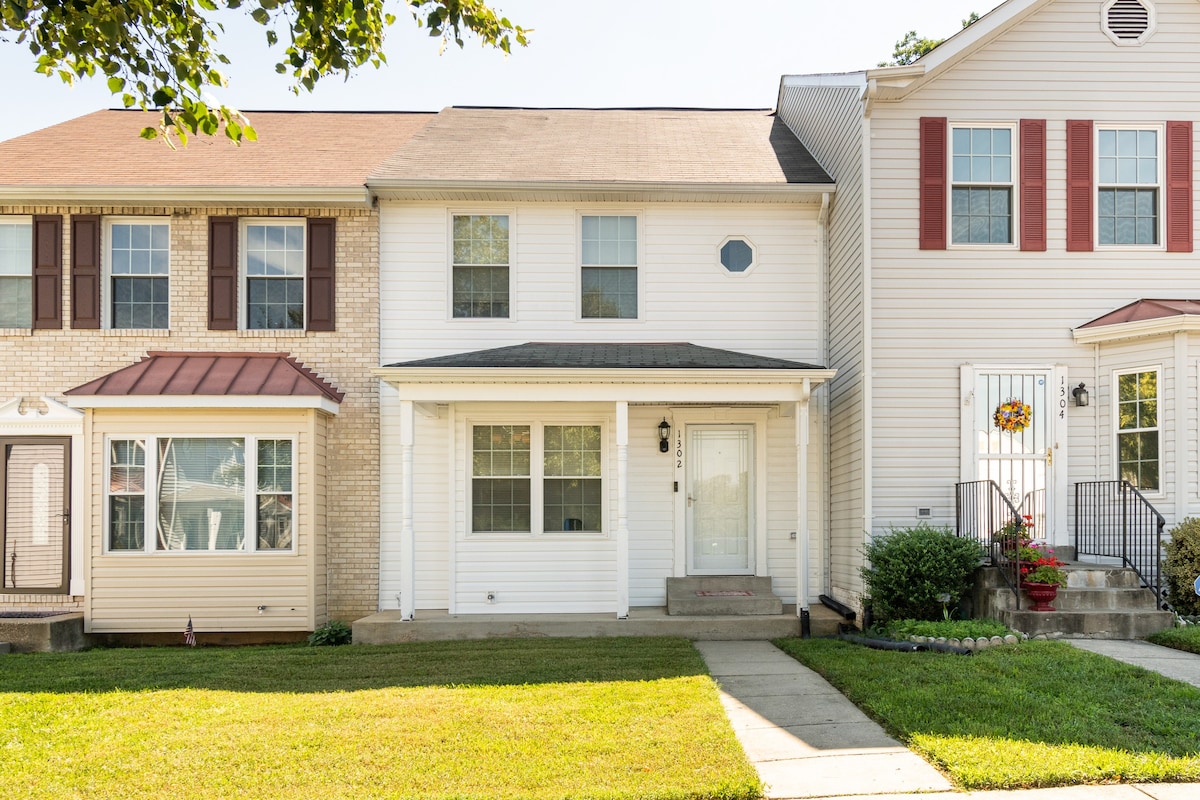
x=165, y=379
x=608, y=355
x=1145, y=317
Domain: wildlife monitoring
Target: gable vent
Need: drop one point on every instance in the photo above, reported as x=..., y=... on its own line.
x=1128, y=22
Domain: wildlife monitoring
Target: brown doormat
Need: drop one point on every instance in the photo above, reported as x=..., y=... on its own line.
x=725, y=593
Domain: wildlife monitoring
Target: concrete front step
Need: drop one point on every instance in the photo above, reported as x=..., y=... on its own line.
x=1089, y=624
x=1069, y=599
x=722, y=595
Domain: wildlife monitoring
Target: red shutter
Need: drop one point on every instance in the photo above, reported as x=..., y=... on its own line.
x=47, y=271
x=85, y=272
x=1178, y=205
x=321, y=283
x=1080, y=194
x=1033, y=184
x=222, y=273
x=933, y=183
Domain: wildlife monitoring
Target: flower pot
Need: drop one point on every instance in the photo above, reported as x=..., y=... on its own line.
x=1041, y=594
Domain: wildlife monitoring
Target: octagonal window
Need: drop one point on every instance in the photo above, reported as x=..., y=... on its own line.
x=737, y=255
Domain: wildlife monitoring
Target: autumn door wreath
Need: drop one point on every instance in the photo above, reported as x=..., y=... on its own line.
x=1012, y=415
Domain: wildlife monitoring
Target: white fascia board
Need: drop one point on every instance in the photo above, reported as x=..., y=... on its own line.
x=187, y=195
x=603, y=385
x=855, y=80
x=202, y=402
x=405, y=189
x=1163, y=326
x=953, y=49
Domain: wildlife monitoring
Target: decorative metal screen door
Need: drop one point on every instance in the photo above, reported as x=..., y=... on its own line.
x=720, y=499
x=1016, y=453
x=34, y=515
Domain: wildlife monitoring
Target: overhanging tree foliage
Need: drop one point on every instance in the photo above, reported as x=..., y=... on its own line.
x=163, y=54
x=912, y=46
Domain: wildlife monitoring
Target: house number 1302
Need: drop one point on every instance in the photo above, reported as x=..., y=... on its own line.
x=679, y=452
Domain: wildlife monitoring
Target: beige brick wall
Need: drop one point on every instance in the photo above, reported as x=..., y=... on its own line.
x=48, y=362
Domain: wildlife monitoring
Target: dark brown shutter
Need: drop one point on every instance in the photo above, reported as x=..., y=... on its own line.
x=1033, y=184
x=321, y=279
x=933, y=183
x=1178, y=205
x=47, y=271
x=85, y=272
x=1080, y=194
x=222, y=273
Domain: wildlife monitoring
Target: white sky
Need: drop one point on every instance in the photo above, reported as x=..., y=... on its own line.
x=601, y=53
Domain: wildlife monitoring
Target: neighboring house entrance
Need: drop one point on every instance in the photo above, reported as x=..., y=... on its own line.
x=35, y=514
x=1018, y=456
x=720, y=501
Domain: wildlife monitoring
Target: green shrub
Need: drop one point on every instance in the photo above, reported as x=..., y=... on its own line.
x=331, y=633
x=916, y=573
x=1183, y=566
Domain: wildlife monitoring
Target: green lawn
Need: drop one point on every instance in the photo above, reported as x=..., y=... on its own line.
x=1028, y=715
x=602, y=718
x=1179, y=638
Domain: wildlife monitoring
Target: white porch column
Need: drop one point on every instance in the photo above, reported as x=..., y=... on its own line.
x=622, y=509
x=802, y=529
x=408, y=571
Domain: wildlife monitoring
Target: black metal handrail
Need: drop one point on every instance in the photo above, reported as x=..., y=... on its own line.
x=1113, y=520
x=982, y=511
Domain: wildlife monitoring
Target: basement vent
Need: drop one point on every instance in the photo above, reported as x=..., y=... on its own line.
x=1127, y=22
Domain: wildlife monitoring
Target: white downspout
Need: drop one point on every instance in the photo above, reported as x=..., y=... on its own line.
x=408, y=573
x=803, y=532
x=622, y=509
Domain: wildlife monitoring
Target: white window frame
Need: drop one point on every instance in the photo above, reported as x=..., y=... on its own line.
x=512, y=226
x=106, y=282
x=243, y=288
x=1013, y=185
x=640, y=267
x=250, y=490
x=537, y=466
x=1158, y=429
x=1160, y=185
x=22, y=219
x=737, y=237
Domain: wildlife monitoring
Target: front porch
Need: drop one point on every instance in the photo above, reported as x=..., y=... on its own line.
x=389, y=627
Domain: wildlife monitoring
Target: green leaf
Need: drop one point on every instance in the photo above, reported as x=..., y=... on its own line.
x=116, y=84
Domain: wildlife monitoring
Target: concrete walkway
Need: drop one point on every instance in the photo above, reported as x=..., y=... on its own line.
x=1164, y=660
x=808, y=741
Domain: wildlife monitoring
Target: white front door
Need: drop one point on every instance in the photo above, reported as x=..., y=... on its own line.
x=720, y=499
x=1011, y=438
x=34, y=514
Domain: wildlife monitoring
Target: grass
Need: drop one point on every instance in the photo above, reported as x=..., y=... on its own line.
x=602, y=718
x=1029, y=715
x=1179, y=638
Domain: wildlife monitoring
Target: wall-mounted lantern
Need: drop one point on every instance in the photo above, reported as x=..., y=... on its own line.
x=1081, y=395
x=664, y=436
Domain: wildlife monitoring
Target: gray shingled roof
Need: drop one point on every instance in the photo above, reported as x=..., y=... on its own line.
x=676, y=146
x=562, y=355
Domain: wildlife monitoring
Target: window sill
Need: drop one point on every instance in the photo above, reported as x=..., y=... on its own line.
x=161, y=333
x=272, y=334
x=5, y=332
x=551, y=536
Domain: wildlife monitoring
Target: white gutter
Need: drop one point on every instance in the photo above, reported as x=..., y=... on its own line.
x=868, y=360
x=202, y=401
x=399, y=187
x=186, y=195
x=599, y=376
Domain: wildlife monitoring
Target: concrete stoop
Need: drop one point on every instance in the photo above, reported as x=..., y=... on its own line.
x=1098, y=602
x=722, y=596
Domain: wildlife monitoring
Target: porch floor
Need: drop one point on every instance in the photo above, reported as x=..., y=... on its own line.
x=386, y=627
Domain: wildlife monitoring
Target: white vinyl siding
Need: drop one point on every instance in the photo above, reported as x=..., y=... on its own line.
x=828, y=119
x=682, y=281
x=934, y=311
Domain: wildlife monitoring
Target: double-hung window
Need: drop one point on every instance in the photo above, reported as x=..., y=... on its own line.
x=16, y=272
x=274, y=273
x=536, y=479
x=1129, y=171
x=481, y=261
x=609, y=272
x=1138, y=431
x=192, y=494
x=981, y=191
x=139, y=265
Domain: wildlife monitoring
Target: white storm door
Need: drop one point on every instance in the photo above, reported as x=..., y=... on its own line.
x=34, y=515
x=720, y=499
x=1018, y=461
